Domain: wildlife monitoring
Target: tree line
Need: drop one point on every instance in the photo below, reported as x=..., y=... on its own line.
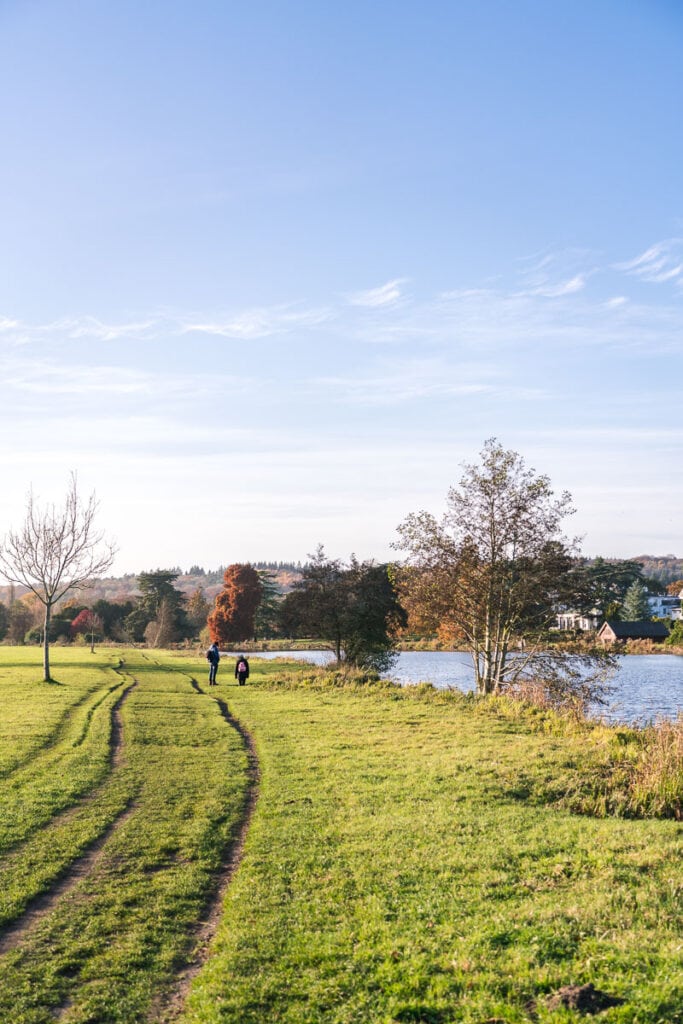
x=489, y=576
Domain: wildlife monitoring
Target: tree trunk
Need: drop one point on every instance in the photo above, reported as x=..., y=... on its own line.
x=46, y=644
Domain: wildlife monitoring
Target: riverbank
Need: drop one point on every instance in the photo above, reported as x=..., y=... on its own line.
x=431, y=644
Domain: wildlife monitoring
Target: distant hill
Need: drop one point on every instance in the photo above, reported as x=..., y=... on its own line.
x=665, y=568
x=124, y=588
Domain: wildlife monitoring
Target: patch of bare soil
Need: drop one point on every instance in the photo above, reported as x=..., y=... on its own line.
x=584, y=998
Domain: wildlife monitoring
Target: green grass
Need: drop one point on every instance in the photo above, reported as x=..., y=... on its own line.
x=34, y=715
x=402, y=866
x=103, y=952
x=413, y=856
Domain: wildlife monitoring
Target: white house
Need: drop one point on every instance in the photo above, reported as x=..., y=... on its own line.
x=666, y=607
x=568, y=619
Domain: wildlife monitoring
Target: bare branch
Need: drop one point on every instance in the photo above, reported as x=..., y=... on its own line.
x=56, y=551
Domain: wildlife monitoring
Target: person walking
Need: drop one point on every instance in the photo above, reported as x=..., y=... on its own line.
x=213, y=657
x=241, y=670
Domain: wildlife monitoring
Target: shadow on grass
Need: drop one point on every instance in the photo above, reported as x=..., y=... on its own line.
x=417, y=1013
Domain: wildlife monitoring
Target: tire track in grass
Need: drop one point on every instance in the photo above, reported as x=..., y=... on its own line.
x=60, y=731
x=41, y=905
x=168, y=1007
x=50, y=763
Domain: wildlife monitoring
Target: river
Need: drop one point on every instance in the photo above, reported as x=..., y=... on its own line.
x=646, y=686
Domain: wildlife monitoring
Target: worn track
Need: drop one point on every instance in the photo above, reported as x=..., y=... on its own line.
x=78, y=869
x=168, y=1007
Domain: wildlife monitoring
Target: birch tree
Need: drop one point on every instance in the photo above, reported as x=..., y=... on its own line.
x=493, y=571
x=55, y=551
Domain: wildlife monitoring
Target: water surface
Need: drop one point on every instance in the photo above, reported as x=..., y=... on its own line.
x=646, y=686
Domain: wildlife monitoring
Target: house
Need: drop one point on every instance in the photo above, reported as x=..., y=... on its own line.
x=665, y=607
x=574, y=620
x=613, y=631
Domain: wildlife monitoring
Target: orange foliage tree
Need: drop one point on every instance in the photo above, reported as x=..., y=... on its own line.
x=232, y=618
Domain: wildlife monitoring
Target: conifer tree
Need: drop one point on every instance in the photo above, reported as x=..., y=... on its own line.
x=636, y=607
x=234, y=612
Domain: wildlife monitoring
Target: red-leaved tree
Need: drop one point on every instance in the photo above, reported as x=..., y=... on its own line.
x=232, y=618
x=87, y=622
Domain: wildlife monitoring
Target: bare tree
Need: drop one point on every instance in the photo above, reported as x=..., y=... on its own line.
x=56, y=551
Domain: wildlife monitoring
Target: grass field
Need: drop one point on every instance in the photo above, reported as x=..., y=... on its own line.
x=410, y=857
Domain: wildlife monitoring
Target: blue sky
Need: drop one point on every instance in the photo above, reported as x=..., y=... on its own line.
x=272, y=271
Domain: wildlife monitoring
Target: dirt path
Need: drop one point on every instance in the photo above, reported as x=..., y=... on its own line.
x=43, y=904
x=169, y=1006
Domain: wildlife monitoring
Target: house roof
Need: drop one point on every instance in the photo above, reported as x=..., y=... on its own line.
x=637, y=630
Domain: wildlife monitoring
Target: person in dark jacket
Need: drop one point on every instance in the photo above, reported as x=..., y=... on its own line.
x=213, y=657
x=241, y=670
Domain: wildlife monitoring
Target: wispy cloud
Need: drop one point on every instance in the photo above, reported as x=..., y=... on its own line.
x=401, y=382
x=386, y=295
x=660, y=263
x=554, y=275
x=259, y=323
x=79, y=327
x=556, y=291
x=91, y=327
x=41, y=378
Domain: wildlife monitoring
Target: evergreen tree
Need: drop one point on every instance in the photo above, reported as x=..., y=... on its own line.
x=636, y=607
x=266, y=621
x=157, y=593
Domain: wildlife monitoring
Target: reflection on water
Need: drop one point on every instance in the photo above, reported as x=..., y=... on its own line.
x=646, y=686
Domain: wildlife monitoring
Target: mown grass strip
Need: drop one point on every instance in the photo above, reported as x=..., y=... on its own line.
x=170, y=1003
x=35, y=715
x=117, y=938
x=66, y=772
x=30, y=871
x=402, y=866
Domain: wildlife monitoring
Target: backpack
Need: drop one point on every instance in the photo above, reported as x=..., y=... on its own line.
x=211, y=654
x=242, y=667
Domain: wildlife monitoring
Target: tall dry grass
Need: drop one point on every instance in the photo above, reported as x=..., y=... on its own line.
x=656, y=778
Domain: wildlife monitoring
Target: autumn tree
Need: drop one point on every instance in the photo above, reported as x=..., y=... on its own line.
x=197, y=610
x=495, y=569
x=20, y=621
x=232, y=618
x=87, y=621
x=55, y=551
